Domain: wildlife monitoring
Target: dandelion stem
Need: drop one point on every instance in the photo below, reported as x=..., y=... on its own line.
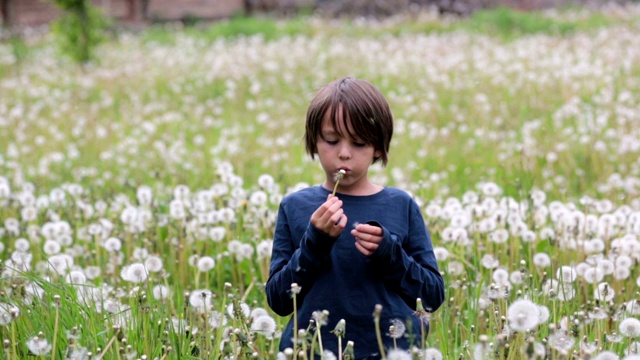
x=338, y=176
x=376, y=320
x=320, y=339
x=295, y=322
x=247, y=291
x=55, y=327
x=106, y=348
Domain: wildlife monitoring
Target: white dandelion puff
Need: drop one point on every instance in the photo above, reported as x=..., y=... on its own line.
x=397, y=354
x=604, y=292
x=8, y=312
x=432, y=354
x=135, y=273
x=630, y=327
x=244, y=310
x=542, y=260
x=264, y=325
x=397, y=329
x=566, y=274
x=161, y=292
x=153, y=263
x=205, y=263
x=38, y=346
x=201, y=300
x=523, y=315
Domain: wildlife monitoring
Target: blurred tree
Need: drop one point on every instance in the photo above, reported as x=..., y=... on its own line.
x=137, y=10
x=79, y=30
x=5, y=12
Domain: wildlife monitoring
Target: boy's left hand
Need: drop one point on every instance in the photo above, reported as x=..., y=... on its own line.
x=368, y=237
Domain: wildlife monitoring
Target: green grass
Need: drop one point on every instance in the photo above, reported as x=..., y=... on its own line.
x=165, y=107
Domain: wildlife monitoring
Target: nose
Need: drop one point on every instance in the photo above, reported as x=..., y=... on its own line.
x=344, y=152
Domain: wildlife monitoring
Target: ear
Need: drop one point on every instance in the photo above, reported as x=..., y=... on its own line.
x=377, y=154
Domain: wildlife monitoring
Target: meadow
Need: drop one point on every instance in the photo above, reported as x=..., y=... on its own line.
x=139, y=193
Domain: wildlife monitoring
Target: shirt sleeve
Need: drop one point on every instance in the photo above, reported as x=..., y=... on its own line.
x=409, y=265
x=294, y=264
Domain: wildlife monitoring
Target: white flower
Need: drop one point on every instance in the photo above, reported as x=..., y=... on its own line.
x=593, y=275
x=264, y=249
x=604, y=292
x=566, y=274
x=561, y=340
x=22, y=245
x=266, y=182
x=217, y=319
x=397, y=354
x=432, y=354
x=217, y=233
x=606, y=355
x=523, y=315
x=201, y=300
x=205, y=263
x=51, y=247
x=244, y=308
x=38, y=346
x=542, y=260
x=543, y=314
x=630, y=327
x=153, y=263
x=264, y=325
x=499, y=236
x=397, y=329
x=258, y=198
x=112, y=244
x=8, y=312
x=161, y=292
x=135, y=273
x=144, y=195
x=441, y=253
x=76, y=277
x=60, y=263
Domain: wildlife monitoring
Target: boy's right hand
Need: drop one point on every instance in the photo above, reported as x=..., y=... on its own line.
x=329, y=217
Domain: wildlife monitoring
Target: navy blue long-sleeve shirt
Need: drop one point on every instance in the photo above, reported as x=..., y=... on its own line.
x=335, y=276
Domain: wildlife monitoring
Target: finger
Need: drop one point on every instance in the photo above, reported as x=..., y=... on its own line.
x=342, y=223
x=336, y=217
x=369, y=229
x=364, y=251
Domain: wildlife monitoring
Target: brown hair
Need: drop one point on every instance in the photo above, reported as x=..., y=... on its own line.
x=362, y=104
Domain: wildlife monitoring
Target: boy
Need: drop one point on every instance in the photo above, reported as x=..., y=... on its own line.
x=366, y=245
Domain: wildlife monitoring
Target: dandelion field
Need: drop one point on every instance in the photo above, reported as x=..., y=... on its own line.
x=138, y=194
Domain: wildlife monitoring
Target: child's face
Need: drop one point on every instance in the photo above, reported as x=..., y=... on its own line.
x=338, y=152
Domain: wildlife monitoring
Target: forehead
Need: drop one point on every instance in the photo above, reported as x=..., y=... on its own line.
x=336, y=123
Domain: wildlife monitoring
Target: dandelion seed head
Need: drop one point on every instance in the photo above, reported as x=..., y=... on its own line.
x=630, y=327
x=38, y=346
x=244, y=310
x=397, y=329
x=201, y=299
x=205, y=263
x=134, y=273
x=542, y=260
x=217, y=319
x=264, y=325
x=607, y=355
x=8, y=312
x=566, y=274
x=432, y=354
x=523, y=315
